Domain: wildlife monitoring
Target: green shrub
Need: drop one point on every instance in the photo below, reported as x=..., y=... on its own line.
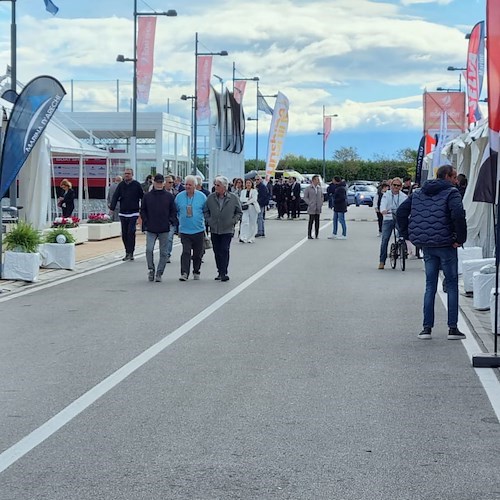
x=51, y=235
x=24, y=237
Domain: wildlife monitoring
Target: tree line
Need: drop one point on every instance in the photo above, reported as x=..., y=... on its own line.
x=347, y=164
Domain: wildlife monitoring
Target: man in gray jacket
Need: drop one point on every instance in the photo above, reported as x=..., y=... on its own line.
x=222, y=213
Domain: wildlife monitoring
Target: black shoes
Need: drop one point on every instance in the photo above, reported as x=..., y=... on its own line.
x=127, y=257
x=151, y=275
x=224, y=277
x=218, y=277
x=425, y=333
x=455, y=334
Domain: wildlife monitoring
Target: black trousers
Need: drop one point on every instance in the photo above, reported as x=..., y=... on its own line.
x=295, y=208
x=128, y=232
x=192, y=247
x=220, y=246
x=313, y=218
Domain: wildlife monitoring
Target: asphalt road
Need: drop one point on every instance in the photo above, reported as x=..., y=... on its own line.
x=300, y=378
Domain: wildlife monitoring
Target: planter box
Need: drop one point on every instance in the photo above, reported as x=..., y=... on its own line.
x=103, y=231
x=57, y=255
x=21, y=266
x=80, y=233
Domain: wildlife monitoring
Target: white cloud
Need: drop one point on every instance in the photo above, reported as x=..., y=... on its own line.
x=350, y=55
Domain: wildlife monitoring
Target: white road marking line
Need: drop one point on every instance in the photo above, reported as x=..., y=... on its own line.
x=36, y=437
x=486, y=376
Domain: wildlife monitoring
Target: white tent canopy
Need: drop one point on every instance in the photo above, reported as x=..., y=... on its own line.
x=35, y=175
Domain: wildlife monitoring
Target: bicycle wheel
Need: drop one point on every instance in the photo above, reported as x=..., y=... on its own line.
x=393, y=255
x=402, y=254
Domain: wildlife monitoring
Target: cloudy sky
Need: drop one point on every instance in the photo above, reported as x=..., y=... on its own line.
x=366, y=60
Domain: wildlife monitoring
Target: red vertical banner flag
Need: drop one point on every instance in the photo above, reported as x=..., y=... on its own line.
x=204, y=71
x=239, y=90
x=145, y=57
x=451, y=103
x=475, y=71
x=327, y=128
x=487, y=179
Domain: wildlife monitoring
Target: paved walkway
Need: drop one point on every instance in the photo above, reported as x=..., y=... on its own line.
x=95, y=254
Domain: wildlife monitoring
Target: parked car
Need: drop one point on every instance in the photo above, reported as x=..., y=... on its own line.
x=322, y=183
x=361, y=194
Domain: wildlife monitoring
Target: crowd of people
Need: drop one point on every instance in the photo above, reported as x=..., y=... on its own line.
x=431, y=217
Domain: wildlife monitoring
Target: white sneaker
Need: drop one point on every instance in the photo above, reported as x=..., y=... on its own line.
x=342, y=237
x=332, y=237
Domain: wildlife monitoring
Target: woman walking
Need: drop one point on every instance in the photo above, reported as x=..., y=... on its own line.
x=251, y=209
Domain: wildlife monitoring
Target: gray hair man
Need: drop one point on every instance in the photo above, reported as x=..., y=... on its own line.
x=222, y=213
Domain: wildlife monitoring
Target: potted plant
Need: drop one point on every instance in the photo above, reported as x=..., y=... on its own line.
x=22, y=260
x=101, y=226
x=58, y=250
x=72, y=224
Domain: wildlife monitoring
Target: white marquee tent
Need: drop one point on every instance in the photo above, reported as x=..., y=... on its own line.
x=36, y=173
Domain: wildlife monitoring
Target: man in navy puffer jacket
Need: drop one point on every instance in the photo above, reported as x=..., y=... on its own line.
x=434, y=218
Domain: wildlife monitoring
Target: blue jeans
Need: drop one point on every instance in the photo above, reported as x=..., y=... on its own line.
x=339, y=217
x=150, y=246
x=387, y=227
x=260, y=221
x=170, y=242
x=444, y=258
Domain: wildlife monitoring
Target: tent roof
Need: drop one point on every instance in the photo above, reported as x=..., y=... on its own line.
x=62, y=141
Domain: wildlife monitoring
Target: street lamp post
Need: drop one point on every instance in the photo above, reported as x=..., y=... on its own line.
x=453, y=68
x=255, y=79
x=195, y=121
x=191, y=98
x=324, y=141
x=121, y=58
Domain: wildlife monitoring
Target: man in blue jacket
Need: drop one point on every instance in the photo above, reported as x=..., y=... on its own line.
x=434, y=218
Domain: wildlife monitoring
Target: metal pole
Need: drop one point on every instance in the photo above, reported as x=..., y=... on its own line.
x=133, y=139
x=13, y=86
x=195, y=117
x=324, y=160
x=257, y=129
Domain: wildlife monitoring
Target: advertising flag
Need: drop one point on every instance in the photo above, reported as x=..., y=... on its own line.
x=50, y=7
x=277, y=134
x=487, y=179
x=327, y=128
x=239, y=90
x=420, y=161
x=145, y=56
x=475, y=71
x=32, y=111
x=262, y=104
x=204, y=71
x=441, y=140
x=451, y=103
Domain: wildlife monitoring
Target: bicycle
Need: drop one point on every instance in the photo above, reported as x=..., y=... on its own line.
x=398, y=251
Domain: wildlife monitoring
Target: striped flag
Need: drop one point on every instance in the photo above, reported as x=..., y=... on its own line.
x=49, y=5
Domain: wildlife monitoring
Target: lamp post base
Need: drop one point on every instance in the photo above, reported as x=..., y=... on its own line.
x=486, y=360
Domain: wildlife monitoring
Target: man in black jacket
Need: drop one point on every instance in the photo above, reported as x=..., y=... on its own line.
x=433, y=218
x=263, y=199
x=129, y=193
x=158, y=213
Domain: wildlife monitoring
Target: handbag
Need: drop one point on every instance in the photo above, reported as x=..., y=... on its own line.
x=207, y=243
x=244, y=207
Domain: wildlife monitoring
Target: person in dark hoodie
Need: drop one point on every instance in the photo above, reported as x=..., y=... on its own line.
x=158, y=213
x=129, y=193
x=433, y=218
x=339, y=208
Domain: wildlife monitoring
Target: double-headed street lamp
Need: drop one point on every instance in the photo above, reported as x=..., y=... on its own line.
x=121, y=58
x=255, y=79
x=324, y=140
x=453, y=68
x=195, y=119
